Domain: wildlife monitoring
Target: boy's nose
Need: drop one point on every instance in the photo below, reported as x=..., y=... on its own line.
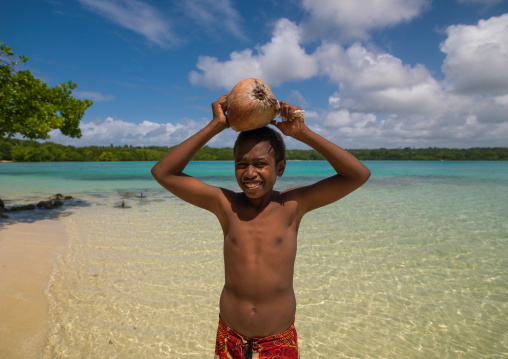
x=250, y=172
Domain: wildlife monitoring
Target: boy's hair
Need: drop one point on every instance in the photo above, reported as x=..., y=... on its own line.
x=264, y=134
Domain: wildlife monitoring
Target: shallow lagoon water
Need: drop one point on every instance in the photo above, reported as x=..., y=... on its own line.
x=412, y=265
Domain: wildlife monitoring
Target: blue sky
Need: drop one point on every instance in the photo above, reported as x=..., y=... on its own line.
x=369, y=73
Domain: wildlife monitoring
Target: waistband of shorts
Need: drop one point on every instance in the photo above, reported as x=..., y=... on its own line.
x=286, y=333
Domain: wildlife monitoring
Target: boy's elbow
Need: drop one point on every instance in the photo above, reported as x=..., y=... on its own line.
x=363, y=175
x=367, y=174
x=161, y=175
x=156, y=173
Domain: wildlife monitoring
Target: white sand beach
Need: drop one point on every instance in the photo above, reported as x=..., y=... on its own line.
x=28, y=252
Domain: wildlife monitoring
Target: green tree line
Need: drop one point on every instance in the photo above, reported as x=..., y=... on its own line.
x=34, y=151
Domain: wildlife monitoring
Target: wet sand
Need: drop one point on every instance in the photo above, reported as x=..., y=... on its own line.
x=27, y=255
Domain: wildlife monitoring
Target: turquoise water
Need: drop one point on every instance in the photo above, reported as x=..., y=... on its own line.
x=412, y=265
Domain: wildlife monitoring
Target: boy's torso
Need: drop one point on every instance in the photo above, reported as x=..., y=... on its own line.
x=259, y=254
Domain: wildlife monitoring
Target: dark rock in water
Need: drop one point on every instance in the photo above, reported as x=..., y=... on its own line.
x=49, y=204
x=2, y=210
x=27, y=207
x=60, y=197
x=57, y=196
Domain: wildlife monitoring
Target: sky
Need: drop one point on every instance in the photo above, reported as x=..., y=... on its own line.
x=368, y=73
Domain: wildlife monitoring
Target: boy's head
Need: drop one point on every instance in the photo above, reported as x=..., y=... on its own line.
x=259, y=160
x=264, y=134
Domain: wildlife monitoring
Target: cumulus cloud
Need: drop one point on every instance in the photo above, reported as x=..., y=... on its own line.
x=146, y=133
x=364, y=130
x=355, y=18
x=379, y=82
x=477, y=57
x=387, y=103
x=380, y=101
x=280, y=60
x=137, y=16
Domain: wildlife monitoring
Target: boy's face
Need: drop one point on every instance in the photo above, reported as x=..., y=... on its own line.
x=255, y=168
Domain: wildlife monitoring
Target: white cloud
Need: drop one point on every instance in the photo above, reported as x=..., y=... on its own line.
x=477, y=57
x=345, y=127
x=282, y=59
x=385, y=103
x=354, y=19
x=363, y=130
x=501, y=100
x=347, y=121
x=147, y=133
x=382, y=102
x=379, y=82
x=137, y=16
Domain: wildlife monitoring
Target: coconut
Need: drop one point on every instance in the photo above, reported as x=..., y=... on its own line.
x=250, y=105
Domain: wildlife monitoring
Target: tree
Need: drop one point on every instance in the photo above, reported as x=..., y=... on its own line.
x=29, y=107
x=107, y=156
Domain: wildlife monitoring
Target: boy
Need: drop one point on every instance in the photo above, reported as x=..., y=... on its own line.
x=260, y=227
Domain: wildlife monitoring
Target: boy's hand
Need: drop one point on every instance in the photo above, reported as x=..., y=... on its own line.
x=219, y=112
x=292, y=125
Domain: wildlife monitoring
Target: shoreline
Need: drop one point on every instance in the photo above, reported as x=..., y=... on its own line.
x=28, y=253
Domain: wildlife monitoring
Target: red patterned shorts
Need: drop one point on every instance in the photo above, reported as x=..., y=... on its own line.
x=231, y=345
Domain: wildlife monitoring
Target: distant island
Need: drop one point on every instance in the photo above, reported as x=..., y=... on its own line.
x=33, y=151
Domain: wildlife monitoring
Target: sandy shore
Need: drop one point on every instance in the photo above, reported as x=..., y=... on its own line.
x=27, y=255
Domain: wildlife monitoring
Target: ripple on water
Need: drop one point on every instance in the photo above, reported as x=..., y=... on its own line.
x=387, y=272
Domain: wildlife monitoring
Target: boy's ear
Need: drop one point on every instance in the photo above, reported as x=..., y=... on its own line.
x=281, y=166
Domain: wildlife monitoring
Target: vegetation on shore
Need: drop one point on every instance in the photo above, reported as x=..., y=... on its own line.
x=33, y=151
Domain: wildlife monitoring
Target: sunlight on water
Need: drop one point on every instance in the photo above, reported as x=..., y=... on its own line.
x=413, y=265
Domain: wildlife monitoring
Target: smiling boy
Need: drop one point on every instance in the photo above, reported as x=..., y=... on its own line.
x=260, y=227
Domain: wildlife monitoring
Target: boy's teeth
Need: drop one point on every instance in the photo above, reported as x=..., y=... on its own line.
x=251, y=185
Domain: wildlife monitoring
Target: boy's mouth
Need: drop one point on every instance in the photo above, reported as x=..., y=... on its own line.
x=252, y=185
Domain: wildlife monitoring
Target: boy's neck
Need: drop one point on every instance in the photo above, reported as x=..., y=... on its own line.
x=260, y=203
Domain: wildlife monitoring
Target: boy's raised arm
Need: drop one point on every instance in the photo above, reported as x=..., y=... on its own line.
x=169, y=170
x=351, y=173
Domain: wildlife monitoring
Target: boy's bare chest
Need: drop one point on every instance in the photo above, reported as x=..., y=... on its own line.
x=273, y=224
x=273, y=215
